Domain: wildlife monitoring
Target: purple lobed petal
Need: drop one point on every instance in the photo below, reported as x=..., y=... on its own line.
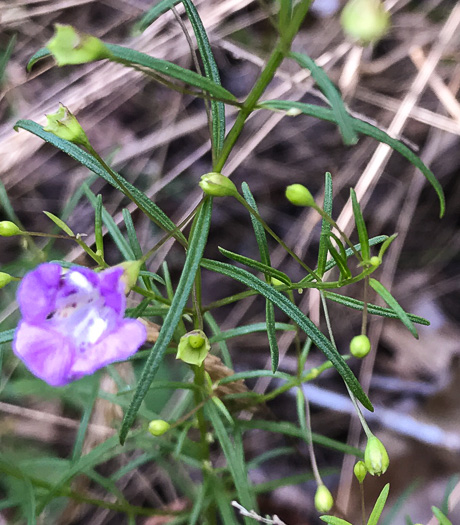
x=37, y=292
x=116, y=346
x=46, y=353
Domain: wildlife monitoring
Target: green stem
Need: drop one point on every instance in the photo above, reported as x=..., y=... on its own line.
x=278, y=54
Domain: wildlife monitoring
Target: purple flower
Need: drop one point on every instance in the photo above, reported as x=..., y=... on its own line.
x=72, y=322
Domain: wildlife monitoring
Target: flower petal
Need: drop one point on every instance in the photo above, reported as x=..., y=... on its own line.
x=116, y=346
x=112, y=289
x=46, y=353
x=37, y=292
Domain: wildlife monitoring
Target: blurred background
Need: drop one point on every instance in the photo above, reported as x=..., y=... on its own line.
x=159, y=140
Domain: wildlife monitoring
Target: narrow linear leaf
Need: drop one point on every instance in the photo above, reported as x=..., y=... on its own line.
x=360, y=226
x=379, y=505
x=332, y=520
x=39, y=55
x=235, y=464
x=271, y=334
x=111, y=225
x=212, y=72
x=343, y=118
x=443, y=519
x=84, y=158
x=340, y=261
x=80, y=438
x=98, y=225
x=174, y=315
x=325, y=225
x=154, y=13
x=7, y=336
x=348, y=252
x=304, y=323
x=261, y=239
x=59, y=223
x=394, y=305
x=360, y=126
x=259, y=231
x=248, y=329
x=356, y=304
x=131, y=57
x=256, y=265
x=289, y=429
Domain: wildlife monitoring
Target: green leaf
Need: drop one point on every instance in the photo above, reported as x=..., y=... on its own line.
x=443, y=519
x=5, y=57
x=379, y=505
x=61, y=224
x=394, y=305
x=98, y=225
x=339, y=259
x=111, y=226
x=265, y=258
x=284, y=16
x=212, y=72
x=360, y=226
x=235, y=462
x=334, y=521
x=131, y=57
x=256, y=265
x=84, y=158
x=27, y=501
x=342, y=117
x=304, y=323
x=360, y=126
x=41, y=53
x=89, y=405
x=153, y=13
x=325, y=226
x=174, y=315
x=248, y=329
x=252, y=374
x=7, y=336
x=373, y=309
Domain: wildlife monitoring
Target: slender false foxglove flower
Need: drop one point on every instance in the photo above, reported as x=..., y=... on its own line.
x=72, y=322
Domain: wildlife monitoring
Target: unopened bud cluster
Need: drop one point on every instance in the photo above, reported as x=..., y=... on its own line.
x=217, y=185
x=8, y=229
x=365, y=21
x=360, y=346
x=376, y=457
x=299, y=195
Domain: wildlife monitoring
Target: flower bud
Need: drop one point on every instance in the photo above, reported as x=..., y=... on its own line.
x=8, y=229
x=65, y=126
x=131, y=271
x=365, y=20
x=193, y=347
x=360, y=346
x=360, y=471
x=375, y=261
x=217, y=185
x=376, y=457
x=70, y=47
x=158, y=427
x=5, y=278
x=323, y=499
x=298, y=195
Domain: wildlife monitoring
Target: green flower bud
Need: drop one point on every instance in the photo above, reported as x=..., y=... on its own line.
x=5, y=279
x=217, y=185
x=360, y=346
x=158, y=427
x=376, y=457
x=375, y=261
x=323, y=499
x=65, y=126
x=70, y=47
x=193, y=347
x=8, y=229
x=360, y=471
x=365, y=20
x=298, y=195
x=131, y=271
